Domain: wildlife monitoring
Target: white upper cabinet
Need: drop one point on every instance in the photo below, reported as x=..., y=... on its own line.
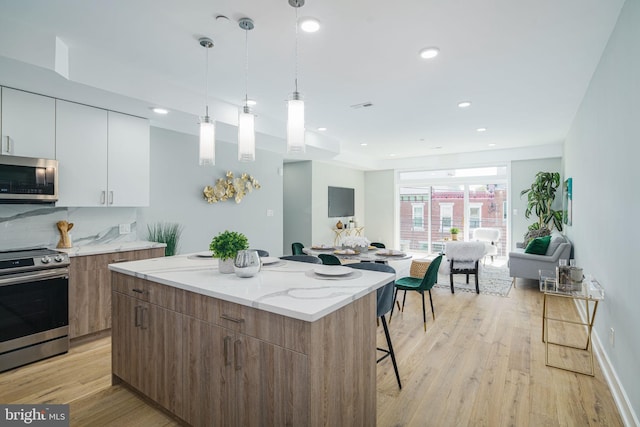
x=103, y=157
x=81, y=151
x=28, y=124
x=128, y=163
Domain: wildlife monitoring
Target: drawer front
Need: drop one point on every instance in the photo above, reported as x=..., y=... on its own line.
x=164, y=296
x=239, y=318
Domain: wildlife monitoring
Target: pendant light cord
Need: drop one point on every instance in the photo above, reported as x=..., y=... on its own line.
x=206, y=84
x=296, y=55
x=246, y=74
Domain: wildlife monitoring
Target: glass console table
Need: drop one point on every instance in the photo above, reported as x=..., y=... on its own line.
x=588, y=291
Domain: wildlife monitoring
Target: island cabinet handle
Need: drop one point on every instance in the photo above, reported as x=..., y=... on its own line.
x=137, y=316
x=143, y=324
x=231, y=319
x=237, y=352
x=138, y=291
x=227, y=348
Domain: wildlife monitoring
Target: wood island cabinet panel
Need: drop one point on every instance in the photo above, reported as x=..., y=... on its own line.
x=147, y=350
x=290, y=373
x=90, y=289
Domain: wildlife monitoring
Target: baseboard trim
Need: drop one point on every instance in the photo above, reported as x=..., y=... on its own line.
x=629, y=417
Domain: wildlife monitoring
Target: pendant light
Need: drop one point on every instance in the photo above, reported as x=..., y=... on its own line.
x=246, y=120
x=295, y=105
x=207, y=125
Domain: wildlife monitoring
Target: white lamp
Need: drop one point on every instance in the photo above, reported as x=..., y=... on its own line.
x=246, y=136
x=246, y=120
x=295, y=105
x=295, y=124
x=207, y=125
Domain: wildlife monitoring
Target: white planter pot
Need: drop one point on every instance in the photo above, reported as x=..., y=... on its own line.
x=225, y=266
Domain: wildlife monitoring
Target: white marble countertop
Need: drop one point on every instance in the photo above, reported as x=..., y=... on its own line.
x=110, y=248
x=288, y=288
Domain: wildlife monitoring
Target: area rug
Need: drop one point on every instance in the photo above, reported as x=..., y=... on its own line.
x=493, y=281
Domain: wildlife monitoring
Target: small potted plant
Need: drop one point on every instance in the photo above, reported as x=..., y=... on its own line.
x=225, y=247
x=454, y=233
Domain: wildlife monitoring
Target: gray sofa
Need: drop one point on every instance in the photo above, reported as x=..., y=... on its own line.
x=528, y=266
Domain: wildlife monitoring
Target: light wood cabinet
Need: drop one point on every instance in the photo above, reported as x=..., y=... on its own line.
x=234, y=379
x=27, y=124
x=148, y=355
x=242, y=366
x=103, y=157
x=90, y=289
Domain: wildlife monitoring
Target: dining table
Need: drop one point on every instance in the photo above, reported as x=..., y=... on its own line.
x=346, y=256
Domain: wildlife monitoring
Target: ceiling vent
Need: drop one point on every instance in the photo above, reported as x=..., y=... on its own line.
x=363, y=105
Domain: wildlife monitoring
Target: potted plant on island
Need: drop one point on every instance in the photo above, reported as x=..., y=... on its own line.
x=454, y=233
x=225, y=247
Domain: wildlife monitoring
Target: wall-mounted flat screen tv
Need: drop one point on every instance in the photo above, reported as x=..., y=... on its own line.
x=341, y=202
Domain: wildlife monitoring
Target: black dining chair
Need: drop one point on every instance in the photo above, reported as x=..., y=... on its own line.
x=378, y=245
x=303, y=258
x=328, y=259
x=296, y=248
x=262, y=253
x=419, y=285
x=384, y=304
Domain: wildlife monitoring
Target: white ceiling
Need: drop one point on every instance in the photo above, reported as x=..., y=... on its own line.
x=525, y=65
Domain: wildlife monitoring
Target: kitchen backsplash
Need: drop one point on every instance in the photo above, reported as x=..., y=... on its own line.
x=28, y=226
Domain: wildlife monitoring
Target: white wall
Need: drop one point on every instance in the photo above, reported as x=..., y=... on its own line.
x=602, y=152
x=177, y=182
x=323, y=176
x=380, y=207
x=522, y=175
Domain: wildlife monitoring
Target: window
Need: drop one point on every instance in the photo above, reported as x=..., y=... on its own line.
x=446, y=217
x=475, y=215
x=417, y=216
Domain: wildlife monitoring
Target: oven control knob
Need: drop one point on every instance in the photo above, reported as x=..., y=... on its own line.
x=58, y=258
x=46, y=260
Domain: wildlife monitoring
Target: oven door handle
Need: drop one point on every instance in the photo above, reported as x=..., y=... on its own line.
x=34, y=276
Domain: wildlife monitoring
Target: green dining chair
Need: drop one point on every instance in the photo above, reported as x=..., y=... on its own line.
x=419, y=285
x=378, y=245
x=328, y=259
x=303, y=258
x=296, y=248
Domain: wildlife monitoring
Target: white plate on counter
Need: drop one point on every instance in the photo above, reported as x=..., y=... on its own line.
x=332, y=270
x=204, y=254
x=266, y=260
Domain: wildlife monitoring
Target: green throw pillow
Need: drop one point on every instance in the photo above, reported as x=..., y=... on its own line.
x=538, y=246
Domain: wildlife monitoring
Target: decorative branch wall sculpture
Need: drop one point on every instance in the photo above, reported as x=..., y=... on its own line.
x=230, y=187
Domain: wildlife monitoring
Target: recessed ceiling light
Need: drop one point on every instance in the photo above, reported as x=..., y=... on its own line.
x=481, y=130
x=159, y=110
x=322, y=129
x=392, y=155
x=464, y=104
x=251, y=102
x=429, y=52
x=439, y=147
x=492, y=145
x=364, y=144
x=309, y=25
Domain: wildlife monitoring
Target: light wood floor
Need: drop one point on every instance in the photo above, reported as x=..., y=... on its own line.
x=481, y=363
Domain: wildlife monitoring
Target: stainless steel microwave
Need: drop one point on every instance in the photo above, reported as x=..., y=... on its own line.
x=28, y=180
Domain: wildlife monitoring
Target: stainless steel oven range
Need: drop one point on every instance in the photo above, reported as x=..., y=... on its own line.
x=34, y=306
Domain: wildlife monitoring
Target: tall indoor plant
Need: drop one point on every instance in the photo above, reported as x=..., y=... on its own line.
x=540, y=197
x=225, y=247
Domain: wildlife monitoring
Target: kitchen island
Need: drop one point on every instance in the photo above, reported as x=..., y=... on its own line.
x=286, y=347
